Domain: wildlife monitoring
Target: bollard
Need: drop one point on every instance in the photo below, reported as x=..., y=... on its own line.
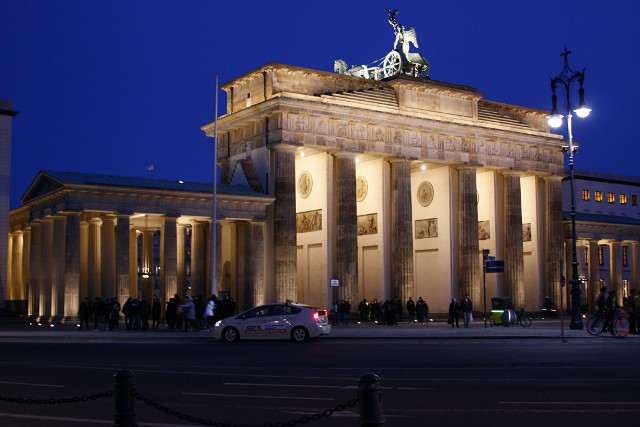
x=370, y=396
x=124, y=414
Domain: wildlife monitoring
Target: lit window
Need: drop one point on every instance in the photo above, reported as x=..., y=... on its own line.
x=585, y=195
x=625, y=255
x=600, y=255
x=634, y=200
x=611, y=197
x=623, y=199
x=598, y=196
x=586, y=256
x=625, y=288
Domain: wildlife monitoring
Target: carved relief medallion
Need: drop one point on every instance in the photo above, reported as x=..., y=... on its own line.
x=361, y=188
x=425, y=193
x=305, y=184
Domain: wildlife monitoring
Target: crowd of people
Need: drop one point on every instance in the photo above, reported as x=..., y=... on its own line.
x=389, y=312
x=190, y=314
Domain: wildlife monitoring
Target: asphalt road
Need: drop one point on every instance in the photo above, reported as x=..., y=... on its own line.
x=481, y=382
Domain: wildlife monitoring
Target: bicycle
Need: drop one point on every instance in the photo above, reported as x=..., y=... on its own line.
x=619, y=322
x=523, y=318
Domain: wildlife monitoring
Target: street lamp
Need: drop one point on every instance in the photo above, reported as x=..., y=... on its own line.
x=565, y=80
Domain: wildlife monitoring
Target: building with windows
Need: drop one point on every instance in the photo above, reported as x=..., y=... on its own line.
x=607, y=231
x=387, y=189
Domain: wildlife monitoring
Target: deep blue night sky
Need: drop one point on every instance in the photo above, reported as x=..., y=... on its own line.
x=114, y=86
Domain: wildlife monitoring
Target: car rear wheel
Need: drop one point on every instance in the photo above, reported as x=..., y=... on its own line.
x=230, y=334
x=299, y=334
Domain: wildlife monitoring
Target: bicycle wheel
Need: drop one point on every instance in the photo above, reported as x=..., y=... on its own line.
x=525, y=322
x=595, y=324
x=622, y=326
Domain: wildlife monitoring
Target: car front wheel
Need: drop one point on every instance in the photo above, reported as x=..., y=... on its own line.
x=230, y=334
x=299, y=334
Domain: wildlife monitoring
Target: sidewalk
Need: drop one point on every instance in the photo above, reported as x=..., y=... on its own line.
x=540, y=329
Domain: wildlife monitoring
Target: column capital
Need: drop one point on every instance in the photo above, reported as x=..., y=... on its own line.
x=553, y=178
x=280, y=146
x=345, y=153
x=467, y=166
x=511, y=172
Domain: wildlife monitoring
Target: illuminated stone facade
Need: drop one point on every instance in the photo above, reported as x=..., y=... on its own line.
x=442, y=172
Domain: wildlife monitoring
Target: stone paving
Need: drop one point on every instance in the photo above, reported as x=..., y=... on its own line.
x=548, y=329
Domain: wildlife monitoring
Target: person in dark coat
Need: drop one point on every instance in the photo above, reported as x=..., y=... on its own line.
x=411, y=310
x=143, y=310
x=155, y=312
x=99, y=312
x=84, y=312
x=454, y=310
x=467, y=308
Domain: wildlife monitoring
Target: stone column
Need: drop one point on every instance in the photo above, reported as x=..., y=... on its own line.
x=256, y=255
x=553, y=238
x=34, y=268
x=123, y=254
x=615, y=270
x=84, y=259
x=594, y=272
x=108, y=259
x=198, y=258
x=58, y=266
x=26, y=257
x=134, y=279
x=514, y=252
x=634, y=259
x=72, y=265
x=347, y=229
x=401, y=231
x=15, y=280
x=147, y=264
x=170, y=267
x=181, y=272
x=46, y=269
x=94, y=259
x=468, y=234
x=284, y=224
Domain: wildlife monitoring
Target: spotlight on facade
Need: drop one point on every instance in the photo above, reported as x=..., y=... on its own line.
x=423, y=167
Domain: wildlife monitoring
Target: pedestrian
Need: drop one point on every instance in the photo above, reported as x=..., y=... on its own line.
x=454, y=309
x=114, y=314
x=333, y=313
x=411, y=310
x=423, y=311
x=610, y=307
x=631, y=309
x=189, y=311
x=143, y=310
x=467, y=308
x=127, y=312
x=363, y=308
x=84, y=311
x=99, y=312
x=156, y=310
x=201, y=305
x=209, y=313
x=602, y=297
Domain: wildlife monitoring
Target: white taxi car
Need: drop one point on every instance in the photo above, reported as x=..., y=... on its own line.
x=298, y=322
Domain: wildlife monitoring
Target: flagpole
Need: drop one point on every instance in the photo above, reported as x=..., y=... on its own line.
x=214, y=226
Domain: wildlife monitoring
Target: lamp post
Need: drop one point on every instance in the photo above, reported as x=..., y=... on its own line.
x=566, y=80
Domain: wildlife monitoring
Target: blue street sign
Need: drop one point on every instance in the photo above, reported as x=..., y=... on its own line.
x=492, y=266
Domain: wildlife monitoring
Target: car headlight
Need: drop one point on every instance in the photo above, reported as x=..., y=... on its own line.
x=218, y=323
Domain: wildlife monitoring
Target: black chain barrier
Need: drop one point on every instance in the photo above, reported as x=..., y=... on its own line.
x=52, y=401
x=303, y=420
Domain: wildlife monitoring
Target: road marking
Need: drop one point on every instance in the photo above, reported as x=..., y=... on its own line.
x=256, y=396
x=570, y=403
x=32, y=385
x=84, y=421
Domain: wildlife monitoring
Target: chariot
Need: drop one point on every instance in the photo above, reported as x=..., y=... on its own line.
x=398, y=61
